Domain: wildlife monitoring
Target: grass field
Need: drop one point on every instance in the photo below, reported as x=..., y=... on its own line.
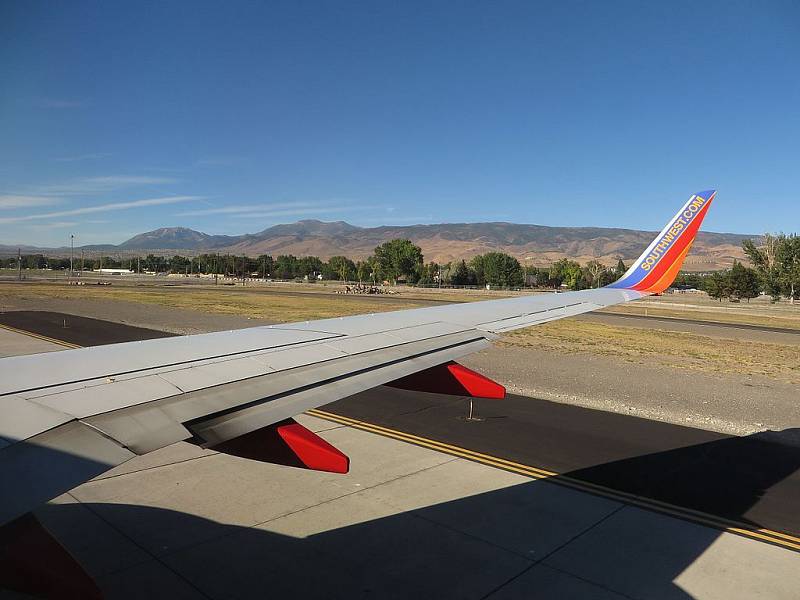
x=679, y=350
x=274, y=307
x=233, y=300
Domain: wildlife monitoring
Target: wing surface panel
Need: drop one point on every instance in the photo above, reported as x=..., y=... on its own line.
x=43, y=370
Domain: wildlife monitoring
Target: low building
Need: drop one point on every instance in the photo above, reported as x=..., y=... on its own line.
x=114, y=271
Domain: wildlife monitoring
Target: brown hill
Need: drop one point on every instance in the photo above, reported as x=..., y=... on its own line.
x=535, y=244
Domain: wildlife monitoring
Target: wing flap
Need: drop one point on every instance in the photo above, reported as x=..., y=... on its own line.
x=274, y=392
x=363, y=374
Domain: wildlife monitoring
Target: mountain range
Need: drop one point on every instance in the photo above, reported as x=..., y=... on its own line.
x=536, y=244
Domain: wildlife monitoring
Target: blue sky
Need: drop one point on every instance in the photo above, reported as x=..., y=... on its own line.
x=120, y=117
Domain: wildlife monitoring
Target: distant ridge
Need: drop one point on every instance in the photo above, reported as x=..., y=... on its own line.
x=175, y=238
x=533, y=244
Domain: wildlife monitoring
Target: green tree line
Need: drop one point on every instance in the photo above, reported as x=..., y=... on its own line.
x=736, y=283
x=775, y=270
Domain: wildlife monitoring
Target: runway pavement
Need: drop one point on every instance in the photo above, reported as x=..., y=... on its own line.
x=453, y=510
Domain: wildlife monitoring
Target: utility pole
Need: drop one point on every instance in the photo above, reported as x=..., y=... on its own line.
x=138, y=265
x=81, y=262
x=71, y=253
x=19, y=264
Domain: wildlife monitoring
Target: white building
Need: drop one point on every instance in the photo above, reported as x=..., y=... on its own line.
x=114, y=271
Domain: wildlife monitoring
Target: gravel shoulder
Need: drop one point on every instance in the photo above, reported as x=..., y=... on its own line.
x=727, y=403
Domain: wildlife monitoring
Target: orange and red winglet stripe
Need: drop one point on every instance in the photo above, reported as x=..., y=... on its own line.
x=653, y=272
x=671, y=273
x=654, y=282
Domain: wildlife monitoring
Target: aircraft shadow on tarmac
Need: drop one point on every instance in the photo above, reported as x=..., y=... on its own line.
x=517, y=541
x=728, y=477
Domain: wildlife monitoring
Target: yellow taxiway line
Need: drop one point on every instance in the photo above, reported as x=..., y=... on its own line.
x=39, y=337
x=767, y=535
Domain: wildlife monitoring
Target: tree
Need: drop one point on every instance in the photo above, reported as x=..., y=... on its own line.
x=308, y=267
x=157, y=264
x=500, y=269
x=375, y=272
x=777, y=261
x=363, y=270
x=595, y=273
x=764, y=259
x=567, y=272
x=688, y=281
x=476, y=265
x=743, y=282
x=177, y=264
x=620, y=269
x=285, y=267
x=341, y=268
x=56, y=264
x=462, y=275
x=34, y=261
x=788, y=259
x=399, y=259
x=265, y=265
x=574, y=278
x=714, y=286
x=541, y=277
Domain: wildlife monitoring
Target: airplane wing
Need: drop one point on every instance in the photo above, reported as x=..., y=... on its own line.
x=66, y=417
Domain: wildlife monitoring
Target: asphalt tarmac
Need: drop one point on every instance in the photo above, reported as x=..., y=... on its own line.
x=79, y=331
x=752, y=480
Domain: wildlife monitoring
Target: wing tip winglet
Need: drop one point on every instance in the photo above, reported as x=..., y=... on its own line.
x=656, y=269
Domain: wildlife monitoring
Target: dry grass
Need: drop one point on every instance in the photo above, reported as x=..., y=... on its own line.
x=664, y=348
x=262, y=304
x=787, y=319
